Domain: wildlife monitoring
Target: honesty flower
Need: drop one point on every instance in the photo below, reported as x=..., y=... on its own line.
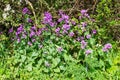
x=39, y=31
x=18, y=40
x=29, y=20
x=24, y=35
x=11, y=30
x=107, y=47
x=29, y=43
x=71, y=34
x=32, y=33
x=84, y=24
x=25, y=11
x=66, y=27
x=40, y=46
x=57, y=30
x=65, y=17
x=94, y=31
x=83, y=44
x=47, y=18
x=88, y=51
x=59, y=49
x=20, y=29
x=33, y=40
x=83, y=12
x=47, y=64
x=78, y=38
x=33, y=28
x=88, y=36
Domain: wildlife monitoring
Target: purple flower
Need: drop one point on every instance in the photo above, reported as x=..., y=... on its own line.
x=57, y=30
x=0, y=32
x=18, y=40
x=32, y=33
x=88, y=36
x=94, y=31
x=88, y=52
x=24, y=36
x=80, y=17
x=82, y=38
x=29, y=20
x=47, y=18
x=64, y=32
x=52, y=24
x=11, y=30
x=65, y=17
x=33, y=28
x=66, y=27
x=73, y=22
x=107, y=47
x=87, y=15
x=78, y=39
x=71, y=34
x=33, y=40
x=83, y=44
x=47, y=64
x=29, y=43
x=60, y=19
x=40, y=46
x=60, y=12
x=19, y=30
x=39, y=32
x=84, y=24
x=59, y=49
x=83, y=12
x=25, y=11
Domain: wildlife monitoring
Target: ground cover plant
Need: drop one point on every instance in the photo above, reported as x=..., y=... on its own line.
x=66, y=48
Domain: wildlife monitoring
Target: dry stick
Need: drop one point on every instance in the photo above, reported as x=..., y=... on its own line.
x=93, y=8
x=30, y=4
x=73, y=7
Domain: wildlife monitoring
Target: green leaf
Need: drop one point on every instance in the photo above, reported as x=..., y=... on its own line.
x=29, y=67
x=57, y=70
x=62, y=68
x=56, y=61
x=23, y=58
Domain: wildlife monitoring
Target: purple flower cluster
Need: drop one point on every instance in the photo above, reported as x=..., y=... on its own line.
x=26, y=11
x=107, y=47
x=64, y=17
x=84, y=14
x=66, y=27
x=20, y=29
x=48, y=19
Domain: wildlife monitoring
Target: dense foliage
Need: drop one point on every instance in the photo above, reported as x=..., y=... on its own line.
x=59, y=45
